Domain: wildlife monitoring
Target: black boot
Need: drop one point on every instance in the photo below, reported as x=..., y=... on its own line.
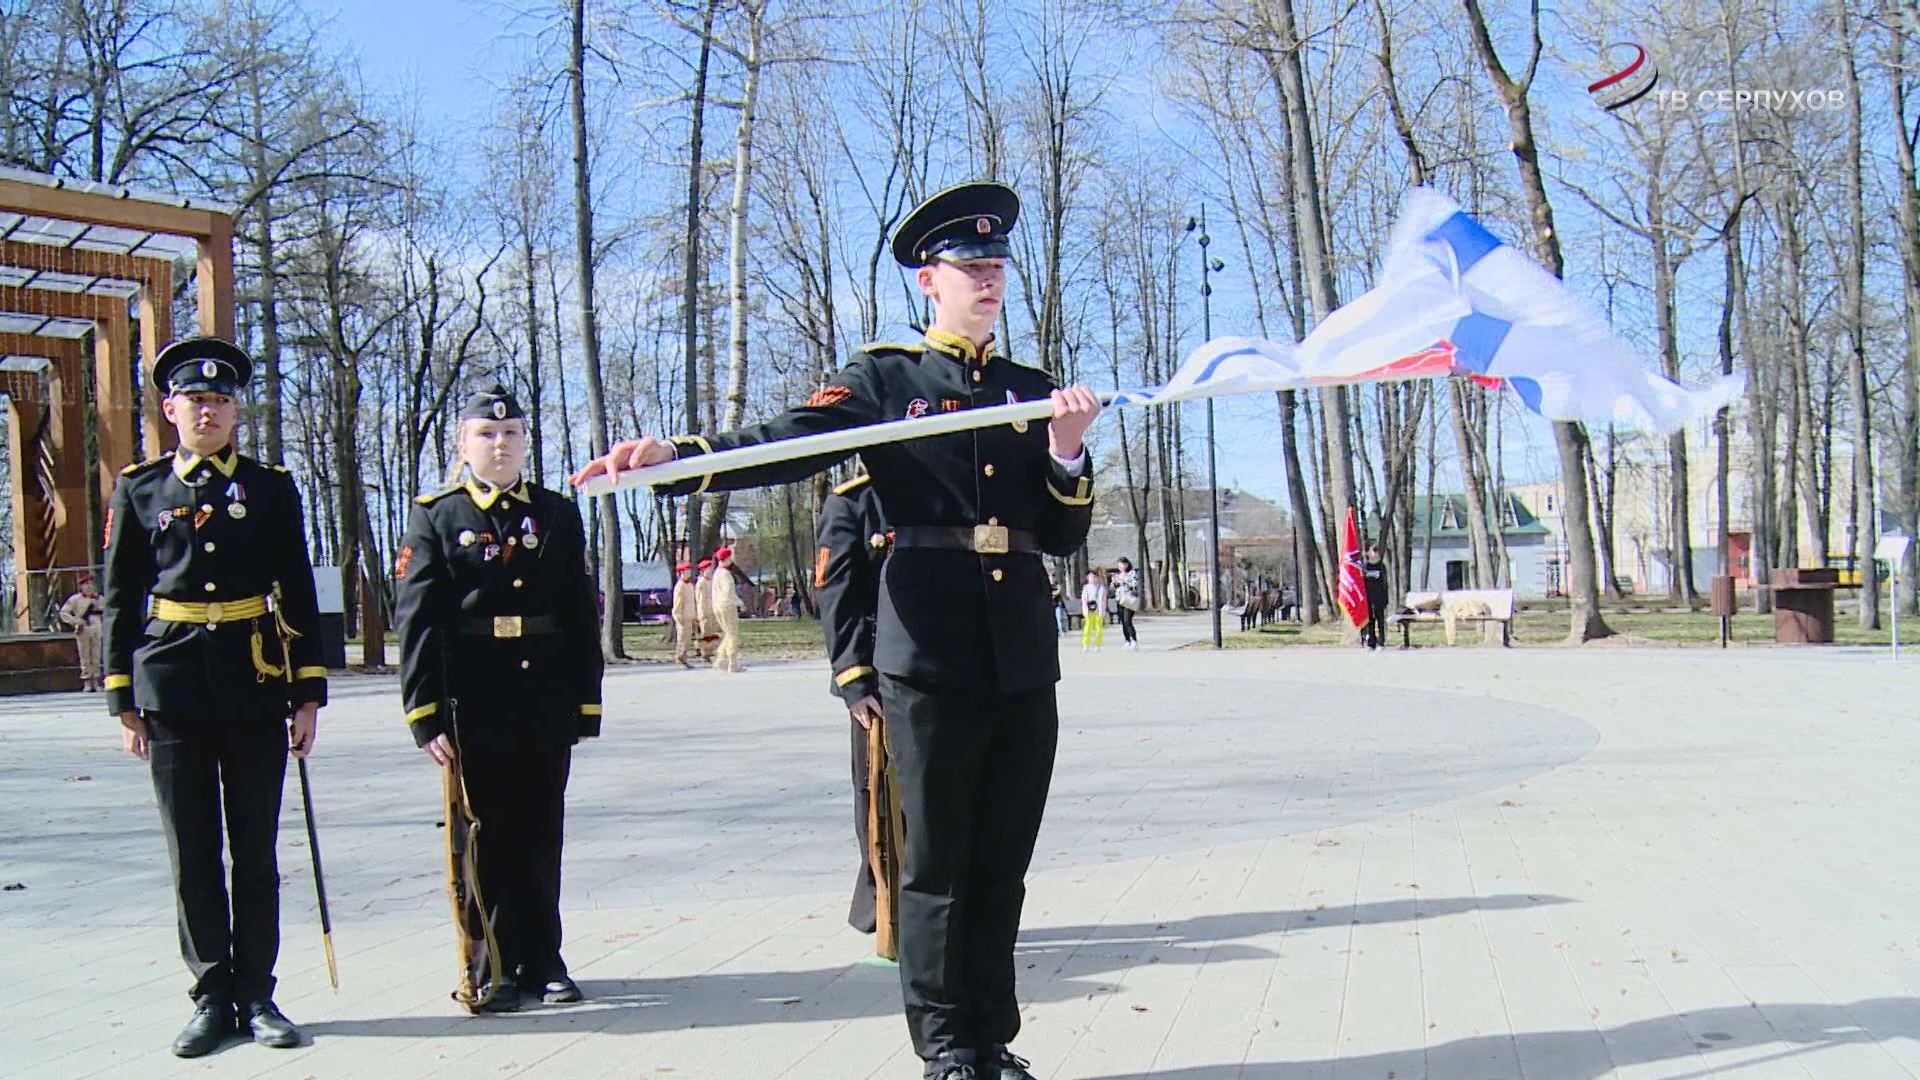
x=211, y=1024
x=999, y=1063
x=954, y=1065
x=506, y=997
x=270, y=1027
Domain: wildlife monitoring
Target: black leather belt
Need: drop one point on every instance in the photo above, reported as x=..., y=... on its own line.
x=980, y=539
x=510, y=626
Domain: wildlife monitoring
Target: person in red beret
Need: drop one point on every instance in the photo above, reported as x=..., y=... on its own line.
x=725, y=599
x=703, y=609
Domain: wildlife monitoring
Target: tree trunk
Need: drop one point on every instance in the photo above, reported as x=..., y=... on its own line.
x=691, y=274
x=1569, y=438
x=611, y=644
x=1908, y=451
x=1865, y=513
x=274, y=447
x=1473, y=485
x=1290, y=78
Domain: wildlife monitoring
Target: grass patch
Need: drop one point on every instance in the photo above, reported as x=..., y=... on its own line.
x=1537, y=625
x=760, y=639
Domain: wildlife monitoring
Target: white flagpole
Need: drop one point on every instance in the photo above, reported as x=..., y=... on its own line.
x=830, y=442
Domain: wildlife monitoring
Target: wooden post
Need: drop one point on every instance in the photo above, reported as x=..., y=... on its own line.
x=156, y=331
x=115, y=402
x=69, y=447
x=30, y=549
x=213, y=276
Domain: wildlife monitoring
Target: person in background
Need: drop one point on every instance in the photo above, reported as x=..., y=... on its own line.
x=1126, y=599
x=82, y=613
x=1374, y=572
x=686, y=614
x=1093, y=606
x=709, y=632
x=1059, y=606
x=725, y=604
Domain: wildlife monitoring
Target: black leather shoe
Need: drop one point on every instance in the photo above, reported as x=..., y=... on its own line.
x=211, y=1024
x=560, y=990
x=999, y=1063
x=270, y=1027
x=954, y=1065
x=506, y=998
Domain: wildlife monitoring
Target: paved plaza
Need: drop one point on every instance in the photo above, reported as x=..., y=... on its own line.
x=1271, y=865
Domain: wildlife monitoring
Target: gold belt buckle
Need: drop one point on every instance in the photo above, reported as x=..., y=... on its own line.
x=214, y=611
x=506, y=626
x=990, y=539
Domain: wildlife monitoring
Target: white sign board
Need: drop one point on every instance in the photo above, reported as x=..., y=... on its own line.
x=1892, y=548
x=326, y=586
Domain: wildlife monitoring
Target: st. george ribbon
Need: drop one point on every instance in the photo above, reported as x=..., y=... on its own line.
x=1451, y=300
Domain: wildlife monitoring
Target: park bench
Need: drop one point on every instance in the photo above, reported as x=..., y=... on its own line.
x=1450, y=609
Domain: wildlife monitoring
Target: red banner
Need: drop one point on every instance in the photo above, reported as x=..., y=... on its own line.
x=1353, y=582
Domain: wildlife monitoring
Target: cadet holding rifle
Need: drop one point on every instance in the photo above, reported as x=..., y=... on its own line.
x=500, y=672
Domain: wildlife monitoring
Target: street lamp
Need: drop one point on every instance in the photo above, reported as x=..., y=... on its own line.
x=1208, y=267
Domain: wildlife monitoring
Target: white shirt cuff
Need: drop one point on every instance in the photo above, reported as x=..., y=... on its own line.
x=1073, y=466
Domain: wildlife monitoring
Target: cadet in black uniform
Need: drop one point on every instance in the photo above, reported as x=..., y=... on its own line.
x=965, y=644
x=212, y=642
x=846, y=580
x=500, y=666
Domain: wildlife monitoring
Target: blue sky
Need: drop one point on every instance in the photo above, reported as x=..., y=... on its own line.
x=450, y=51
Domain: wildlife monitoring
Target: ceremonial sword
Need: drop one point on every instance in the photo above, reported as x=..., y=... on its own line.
x=319, y=878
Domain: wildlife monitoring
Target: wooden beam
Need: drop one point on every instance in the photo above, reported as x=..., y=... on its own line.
x=60, y=304
x=61, y=260
x=52, y=348
x=98, y=209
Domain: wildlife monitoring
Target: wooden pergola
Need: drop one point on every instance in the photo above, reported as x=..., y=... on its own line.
x=86, y=270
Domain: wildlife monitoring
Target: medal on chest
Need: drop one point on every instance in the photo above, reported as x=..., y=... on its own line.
x=237, y=507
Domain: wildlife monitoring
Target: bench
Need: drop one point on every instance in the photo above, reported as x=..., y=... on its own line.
x=1450, y=609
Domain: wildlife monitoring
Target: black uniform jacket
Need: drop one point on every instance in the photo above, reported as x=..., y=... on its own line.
x=846, y=580
x=1374, y=575
x=499, y=628
x=946, y=616
x=198, y=531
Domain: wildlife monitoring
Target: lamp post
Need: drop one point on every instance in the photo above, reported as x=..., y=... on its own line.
x=1208, y=267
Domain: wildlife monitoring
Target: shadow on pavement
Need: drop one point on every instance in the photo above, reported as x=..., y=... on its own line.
x=726, y=999
x=1581, y=1055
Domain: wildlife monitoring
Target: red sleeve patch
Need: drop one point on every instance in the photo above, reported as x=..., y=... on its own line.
x=400, y=567
x=106, y=534
x=820, y=567
x=828, y=395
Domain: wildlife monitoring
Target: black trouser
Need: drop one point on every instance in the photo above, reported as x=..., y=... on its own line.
x=1375, y=634
x=974, y=766
x=863, y=913
x=1126, y=622
x=206, y=772
x=519, y=795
